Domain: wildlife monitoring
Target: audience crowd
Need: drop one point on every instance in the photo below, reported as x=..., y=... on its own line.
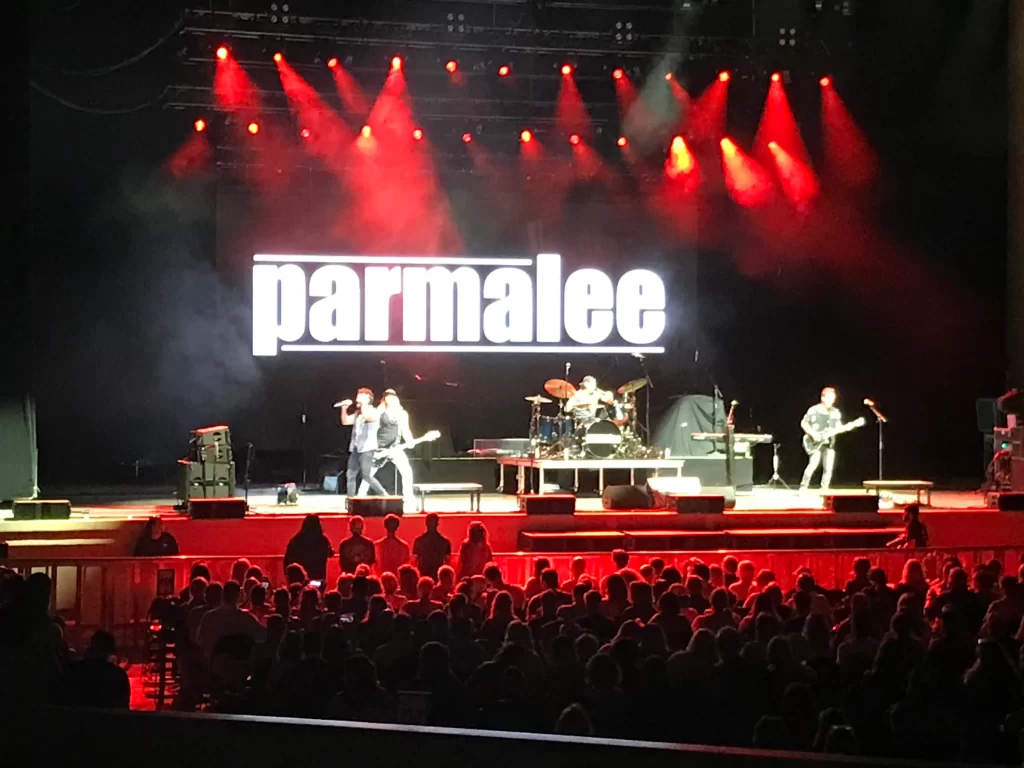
x=712, y=653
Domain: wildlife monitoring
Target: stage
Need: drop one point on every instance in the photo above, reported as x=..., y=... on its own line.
x=106, y=522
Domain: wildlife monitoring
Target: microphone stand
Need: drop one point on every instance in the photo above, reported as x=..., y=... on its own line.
x=250, y=453
x=647, y=400
x=880, y=418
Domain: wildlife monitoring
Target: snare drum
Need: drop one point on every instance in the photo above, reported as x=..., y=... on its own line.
x=600, y=440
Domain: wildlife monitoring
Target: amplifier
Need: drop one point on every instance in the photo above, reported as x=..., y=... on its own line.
x=375, y=506
x=219, y=435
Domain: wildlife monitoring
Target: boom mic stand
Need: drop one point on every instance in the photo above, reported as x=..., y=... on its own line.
x=880, y=418
x=647, y=399
x=250, y=454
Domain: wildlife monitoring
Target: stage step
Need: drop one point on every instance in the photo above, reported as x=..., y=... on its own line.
x=744, y=539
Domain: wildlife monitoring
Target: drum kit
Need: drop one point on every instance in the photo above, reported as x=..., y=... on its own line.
x=610, y=431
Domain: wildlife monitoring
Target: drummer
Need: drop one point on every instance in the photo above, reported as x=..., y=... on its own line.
x=584, y=404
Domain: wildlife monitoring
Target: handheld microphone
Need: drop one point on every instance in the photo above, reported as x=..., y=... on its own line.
x=869, y=402
x=734, y=403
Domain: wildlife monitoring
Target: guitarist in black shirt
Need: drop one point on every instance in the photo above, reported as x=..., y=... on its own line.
x=394, y=430
x=821, y=424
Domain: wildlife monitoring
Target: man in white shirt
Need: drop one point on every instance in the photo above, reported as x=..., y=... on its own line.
x=227, y=620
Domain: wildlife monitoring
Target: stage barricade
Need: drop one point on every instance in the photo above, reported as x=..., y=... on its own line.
x=117, y=593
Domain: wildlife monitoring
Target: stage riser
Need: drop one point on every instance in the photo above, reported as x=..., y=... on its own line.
x=708, y=469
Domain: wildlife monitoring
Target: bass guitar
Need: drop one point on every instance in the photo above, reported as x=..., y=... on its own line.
x=383, y=456
x=811, y=445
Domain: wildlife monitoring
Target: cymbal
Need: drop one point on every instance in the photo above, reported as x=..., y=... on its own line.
x=537, y=399
x=559, y=388
x=632, y=386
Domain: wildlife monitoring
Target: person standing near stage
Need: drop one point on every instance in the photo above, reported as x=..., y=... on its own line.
x=364, y=421
x=819, y=419
x=356, y=550
x=394, y=430
x=431, y=549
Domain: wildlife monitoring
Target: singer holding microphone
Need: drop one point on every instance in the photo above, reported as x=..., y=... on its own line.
x=364, y=421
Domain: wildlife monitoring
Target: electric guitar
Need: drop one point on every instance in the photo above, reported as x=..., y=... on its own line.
x=383, y=456
x=811, y=445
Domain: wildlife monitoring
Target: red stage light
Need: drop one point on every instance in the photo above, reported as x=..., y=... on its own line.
x=776, y=77
x=332, y=63
x=623, y=141
x=305, y=133
x=417, y=134
x=278, y=57
x=727, y=146
x=724, y=76
x=618, y=74
x=253, y=128
x=566, y=69
x=503, y=70
x=773, y=145
x=825, y=82
x=574, y=139
x=366, y=132
x=467, y=137
x=199, y=125
x=668, y=75
x=396, y=63
x=526, y=137
x=451, y=66
x=222, y=53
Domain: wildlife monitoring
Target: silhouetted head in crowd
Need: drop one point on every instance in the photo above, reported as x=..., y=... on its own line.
x=816, y=632
x=746, y=571
x=620, y=558
x=238, y=569
x=332, y=601
x=617, y=591
x=702, y=646
x=574, y=721
x=102, y=645
x=549, y=578
x=702, y=570
x=153, y=529
x=197, y=589
x=424, y=587
x=391, y=523
x=476, y=533
x=276, y=628
x=671, y=575
x=232, y=591
x=295, y=574
x=282, y=602
x=258, y=596
x=431, y=522
x=603, y=673
x=841, y=740
x=720, y=600
x=355, y=525
x=861, y=568
x=446, y=578
x=200, y=570
x=312, y=527
x=215, y=595
x=344, y=584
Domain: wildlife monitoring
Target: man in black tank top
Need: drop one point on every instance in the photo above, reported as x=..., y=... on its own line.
x=393, y=429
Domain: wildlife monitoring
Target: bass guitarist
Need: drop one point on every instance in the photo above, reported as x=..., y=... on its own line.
x=820, y=424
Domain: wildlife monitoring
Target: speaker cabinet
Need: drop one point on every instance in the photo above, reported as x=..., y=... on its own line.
x=625, y=497
x=699, y=504
x=375, y=506
x=547, y=503
x=852, y=504
x=41, y=509
x=217, y=509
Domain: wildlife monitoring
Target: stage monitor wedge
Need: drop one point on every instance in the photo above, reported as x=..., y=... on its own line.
x=375, y=506
x=852, y=504
x=626, y=497
x=41, y=509
x=217, y=509
x=547, y=503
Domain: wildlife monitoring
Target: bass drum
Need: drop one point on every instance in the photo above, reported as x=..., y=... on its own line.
x=601, y=440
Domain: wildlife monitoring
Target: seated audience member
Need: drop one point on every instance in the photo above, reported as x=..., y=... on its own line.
x=915, y=533
x=444, y=586
x=227, y=620
x=310, y=548
x=295, y=574
x=283, y=603
x=395, y=599
x=356, y=550
x=408, y=577
x=641, y=602
x=475, y=552
x=238, y=570
x=424, y=604
x=392, y=552
x=719, y=615
x=496, y=583
x=258, y=603
x=860, y=580
x=695, y=590
x=617, y=597
x=358, y=602
x=96, y=680
x=214, y=595
x=913, y=580
x=730, y=566
x=647, y=574
x=431, y=550
x=596, y=622
x=154, y=541
x=577, y=572
x=549, y=583
x=744, y=583
x=533, y=584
